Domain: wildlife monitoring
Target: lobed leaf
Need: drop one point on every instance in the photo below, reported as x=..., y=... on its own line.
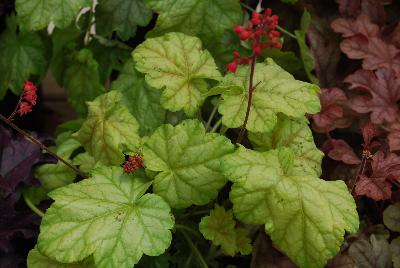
x=108, y=216
x=187, y=160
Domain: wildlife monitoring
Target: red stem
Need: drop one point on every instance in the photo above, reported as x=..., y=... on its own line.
x=250, y=99
x=40, y=144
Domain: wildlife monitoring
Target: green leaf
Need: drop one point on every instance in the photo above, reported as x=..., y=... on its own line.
x=109, y=216
x=276, y=92
x=82, y=80
x=85, y=162
x=391, y=217
x=142, y=100
x=176, y=64
x=38, y=260
x=53, y=176
x=154, y=262
x=121, y=16
x=108, y=126
x=188, y=161
x=371, y=254
x=295, y=134
x=21, y=56
x=205, y=18
x=110, y=55
x=306, y=217
x=219, y=227
x=287, y=60
x=305, y=54
x=395, y=249
x=37, y=14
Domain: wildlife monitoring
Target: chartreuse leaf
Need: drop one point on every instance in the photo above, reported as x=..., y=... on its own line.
x=21, y=55
x=109, y=216
x=305, y=54
x=276, y=91
x=295, y=134
x=219, y=227
x=205, y=18
x=37, y=14
x=108, y=126
x=188, y=161
x=122, y=16
x=176, y=64
x=142, y=100
x=86, y=162
x=57, y=175
x=38, y=260
x=306, y=217
x=82, y=80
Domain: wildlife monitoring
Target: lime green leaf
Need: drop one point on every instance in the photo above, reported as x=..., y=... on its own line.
x=305, y=54
x=276, y=92
x=21, y=55
x=219, y=227
x=82, y=80
x=108, y=216
x=391, y=217
x=188, y=161
x=38, y=260
x=121, y=16
x=37, y=14
x=142, y=100
x=56, y=175
x=287, y=60
x=85, y=162
x=306, y=217
x=295, y=134
x=205, y=18
x=108, y=126
x=176, y=64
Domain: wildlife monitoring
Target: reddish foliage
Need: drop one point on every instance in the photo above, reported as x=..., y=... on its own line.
x=383, y=169
x=363, y=40
x=339, y=150
x=332, y=114
x=383, y=87
x=394, y=137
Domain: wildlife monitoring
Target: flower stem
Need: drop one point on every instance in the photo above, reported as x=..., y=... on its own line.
x=283, y=30
x=249, y=101
x=216, y=126
x=40, y=144
x=32, y=206
x=202, y=263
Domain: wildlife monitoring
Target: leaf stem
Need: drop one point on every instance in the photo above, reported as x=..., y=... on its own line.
x=188, y=229
x=40, y=144
x=32, y=206
x=213, y=113
x=196, y=251
x=249, y=101
x=216, y=126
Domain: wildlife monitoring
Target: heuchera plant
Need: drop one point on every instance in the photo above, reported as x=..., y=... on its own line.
x=181, y=162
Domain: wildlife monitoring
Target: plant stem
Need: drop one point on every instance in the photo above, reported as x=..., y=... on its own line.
x=249, y=101
x=196, y=251
x=40, y=144
x=216, y=126
x=213, y=113
x=32, y=206
x=283, y=30
x=188, y=229
x=360, y=171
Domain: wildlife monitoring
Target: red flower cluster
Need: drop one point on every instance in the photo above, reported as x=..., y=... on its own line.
x=261, y=33
x=28, y=98
x=133, y=163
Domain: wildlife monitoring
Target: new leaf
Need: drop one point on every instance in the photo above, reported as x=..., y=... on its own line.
x=109, y=216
